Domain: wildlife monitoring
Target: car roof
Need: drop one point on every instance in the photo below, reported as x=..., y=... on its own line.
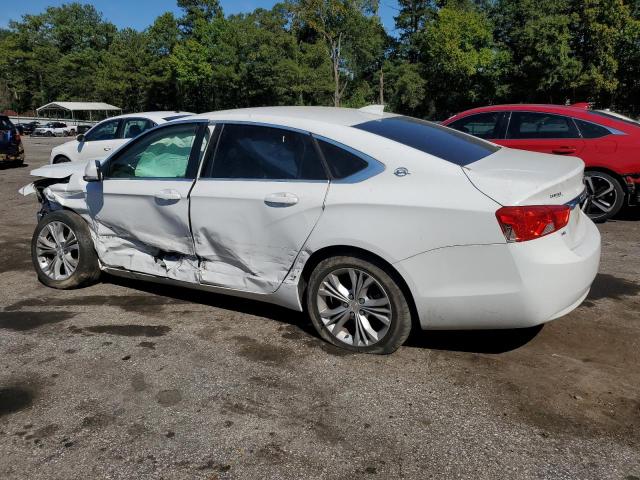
x=298, y=115
x=159, y=115
x=536, y=107
x=580, y=111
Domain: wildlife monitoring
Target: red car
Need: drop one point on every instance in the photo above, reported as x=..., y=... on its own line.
x=607, y=142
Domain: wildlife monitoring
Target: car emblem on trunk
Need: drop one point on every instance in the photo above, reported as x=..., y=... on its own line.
x=401, y=172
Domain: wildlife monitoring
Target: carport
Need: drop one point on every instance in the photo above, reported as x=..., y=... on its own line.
x=80, y=110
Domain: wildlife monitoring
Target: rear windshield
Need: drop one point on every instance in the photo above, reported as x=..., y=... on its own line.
x=442, y=142
x=175, y=117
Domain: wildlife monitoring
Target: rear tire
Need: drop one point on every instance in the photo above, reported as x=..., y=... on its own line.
x=63, y=253
x=605, y=196
x=372, y=316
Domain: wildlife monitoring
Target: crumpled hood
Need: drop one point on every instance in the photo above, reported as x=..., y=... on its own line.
x=60, y=170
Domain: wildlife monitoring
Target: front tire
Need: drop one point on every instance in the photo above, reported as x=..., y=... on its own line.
x=605, y=196
x=356, y=305
x=62, y=251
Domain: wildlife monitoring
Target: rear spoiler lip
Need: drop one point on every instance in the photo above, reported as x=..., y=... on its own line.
x=578, y=200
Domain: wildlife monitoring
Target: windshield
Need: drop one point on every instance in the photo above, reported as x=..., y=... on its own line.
x=442, y=142
x=615, y=116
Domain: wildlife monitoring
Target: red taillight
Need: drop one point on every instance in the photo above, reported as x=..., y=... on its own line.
x=520, y=224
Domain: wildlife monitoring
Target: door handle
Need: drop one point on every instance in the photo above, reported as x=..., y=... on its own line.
x=281, y=199
x=564, y=150
x=106, y=149
x=168, y=195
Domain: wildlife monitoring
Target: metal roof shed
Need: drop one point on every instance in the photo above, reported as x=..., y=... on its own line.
x=74, y=107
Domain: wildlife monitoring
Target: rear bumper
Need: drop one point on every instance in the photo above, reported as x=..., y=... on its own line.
x=632, y=182
x=11, y=153
x=503, y=285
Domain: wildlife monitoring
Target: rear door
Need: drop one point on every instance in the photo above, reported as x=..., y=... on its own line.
x=255, y=204
x=543, y=132
x=100, y=141
x=488, y=125
x=129, y=128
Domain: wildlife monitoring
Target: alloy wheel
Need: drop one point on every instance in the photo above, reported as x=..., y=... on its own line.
x=57, y=251
x=601, y=196
x=354, y=307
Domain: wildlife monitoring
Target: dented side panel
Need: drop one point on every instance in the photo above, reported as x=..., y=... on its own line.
x=245, y=240
x=138, y=227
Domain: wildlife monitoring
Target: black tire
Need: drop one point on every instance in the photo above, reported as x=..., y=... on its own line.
x=88, y=268
x=400, y=324
x=49, y=134
x=615, y=198
x=61, y=159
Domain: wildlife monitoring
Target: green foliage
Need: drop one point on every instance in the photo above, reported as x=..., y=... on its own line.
x=449, y=55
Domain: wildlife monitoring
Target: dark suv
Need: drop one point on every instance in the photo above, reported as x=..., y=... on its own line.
x=11, y=148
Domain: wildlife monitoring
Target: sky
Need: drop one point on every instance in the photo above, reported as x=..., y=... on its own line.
x=139, y=14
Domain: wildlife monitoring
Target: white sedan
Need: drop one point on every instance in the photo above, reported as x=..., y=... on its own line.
x=109, y=135
x=366, y=220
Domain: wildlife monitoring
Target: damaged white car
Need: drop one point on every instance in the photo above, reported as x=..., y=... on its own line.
x=367, y=220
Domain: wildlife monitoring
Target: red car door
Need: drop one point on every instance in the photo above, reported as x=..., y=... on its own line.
x=543, y=132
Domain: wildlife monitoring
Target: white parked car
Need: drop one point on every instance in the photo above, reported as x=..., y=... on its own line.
x=366, y=220
x=109, y=135
x=54, y=129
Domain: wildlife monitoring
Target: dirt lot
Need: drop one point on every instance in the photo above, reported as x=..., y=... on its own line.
x=136, y=381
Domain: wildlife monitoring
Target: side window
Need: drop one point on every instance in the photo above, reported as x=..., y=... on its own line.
x=164, y=153
x=132, y=127
x=341, y=162
x=483, y=125
x=103, y=131
x=591, y=130
x=541, y=126
x=257, y=152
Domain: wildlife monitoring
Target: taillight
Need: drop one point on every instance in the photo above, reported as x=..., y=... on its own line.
x=520, y=224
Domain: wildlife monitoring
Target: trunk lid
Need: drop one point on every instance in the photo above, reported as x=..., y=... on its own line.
x=520, y=177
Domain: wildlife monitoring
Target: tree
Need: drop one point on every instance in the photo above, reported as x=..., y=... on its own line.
x=352, y=33
x=537, y=33
x=54, y=55
x=198, y=10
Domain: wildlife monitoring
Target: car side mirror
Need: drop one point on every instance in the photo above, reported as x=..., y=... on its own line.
x=93, y=172
x=81, y=138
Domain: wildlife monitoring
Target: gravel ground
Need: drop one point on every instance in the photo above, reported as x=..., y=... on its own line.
x=137, y=381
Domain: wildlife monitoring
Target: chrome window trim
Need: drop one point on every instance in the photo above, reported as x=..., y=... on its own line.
x=215, y=123
x=106, y=161
x=578, y=200
x=506, y=133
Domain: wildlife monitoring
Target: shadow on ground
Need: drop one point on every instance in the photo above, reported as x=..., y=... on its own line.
x=610, y=286
x=627, y=213
x=12, y=165
x=473, y=341
x=478, y=341
x=227, y=302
